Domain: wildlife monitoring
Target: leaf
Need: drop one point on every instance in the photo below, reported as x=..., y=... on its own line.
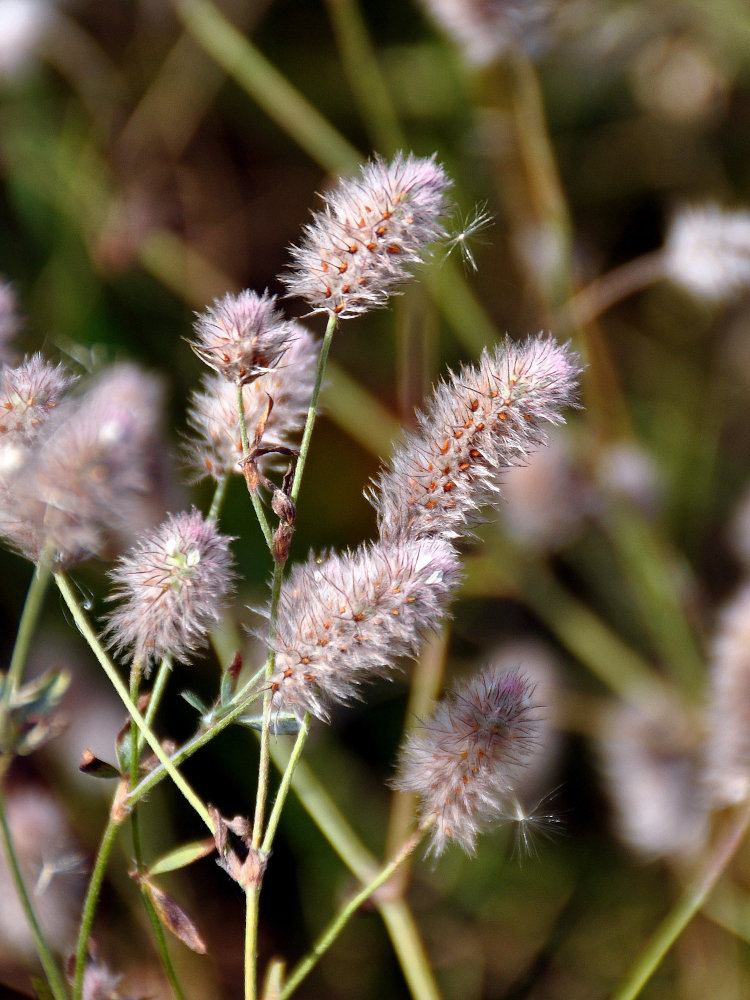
x=182, y=856
x=281, y=725
x=193, y=700
x=173, y=917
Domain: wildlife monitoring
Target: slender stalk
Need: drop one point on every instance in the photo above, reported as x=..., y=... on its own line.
x=339, y=834
x=338, y=923
x=286, y=783
x=90, y=903
x=150, y=781
x=685, y=909
x=254, y=495
x=111, y=671
x=263, y=82
x=157, y=692
x=604, y=292
x=312, y=412
x=163, y=946
x=252, y=898
x=219, y=495
x=51, y=971
x=29, y=617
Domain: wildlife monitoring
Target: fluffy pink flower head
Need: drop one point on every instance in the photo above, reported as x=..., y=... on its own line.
x=172, y=585
x=28, y=394
x=466, y=760
x=347, y=618
x=215, y=446
x=371, y=231
x=242, y=336
x=89, y=470
x=477, y=424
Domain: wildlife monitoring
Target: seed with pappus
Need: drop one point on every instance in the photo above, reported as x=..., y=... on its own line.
x=372, y=230
x=172, y=585
x=465, y=762
x=483, y=420
x=214, y=447
x=242, y=336
x=707, y=251
x=347, y=618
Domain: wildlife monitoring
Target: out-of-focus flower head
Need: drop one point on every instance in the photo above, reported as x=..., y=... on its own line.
x=371, y=232
x=172, y=585
x=23, y=23
x=242, y=336
x=548, y=500
x=480, y=422
x=485, y=29
x=88, y=472
x=215, y=445
x=651, y=763
x=466, y=760
x=347, y=618
x=707, y=251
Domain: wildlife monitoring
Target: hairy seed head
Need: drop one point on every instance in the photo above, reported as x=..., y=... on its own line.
x=483, y=420
x=242, y=336
x=372, y=230
x=346, y=618
x=466, y=760
x=171, y=586
x=215, y=446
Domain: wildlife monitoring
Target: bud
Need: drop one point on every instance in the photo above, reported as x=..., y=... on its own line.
x=372, y=230
x=466, y=760
x=347, y=618
x=172, y=585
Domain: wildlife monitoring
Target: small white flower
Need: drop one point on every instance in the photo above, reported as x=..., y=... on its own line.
x=707, y=251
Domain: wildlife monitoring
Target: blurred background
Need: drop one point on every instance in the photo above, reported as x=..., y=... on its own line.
x=154, y=155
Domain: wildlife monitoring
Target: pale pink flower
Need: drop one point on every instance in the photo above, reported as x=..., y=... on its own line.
x=372, y=230
x=707, y=251
x=347, y=618
x=465, y=762
x=171, y=586
x=242, y=336
x=28, y=394
x=480, y=422
x=215, y=445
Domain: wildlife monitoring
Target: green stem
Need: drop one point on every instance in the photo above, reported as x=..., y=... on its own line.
x=252, y=898
x=89, y=906
x=111, y=671
x=157, y=692
x=51, y=971
x=263, y=82
x=219, y=495
x=338, y=923
x=151, y=780
x=163, y=946
x=29, y=617
x=254, y=495
x=339, y=834
x=312, y=412
x=685, y=909
x=286, y=783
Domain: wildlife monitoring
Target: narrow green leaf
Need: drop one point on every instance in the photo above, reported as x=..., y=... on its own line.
x=182, y=856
